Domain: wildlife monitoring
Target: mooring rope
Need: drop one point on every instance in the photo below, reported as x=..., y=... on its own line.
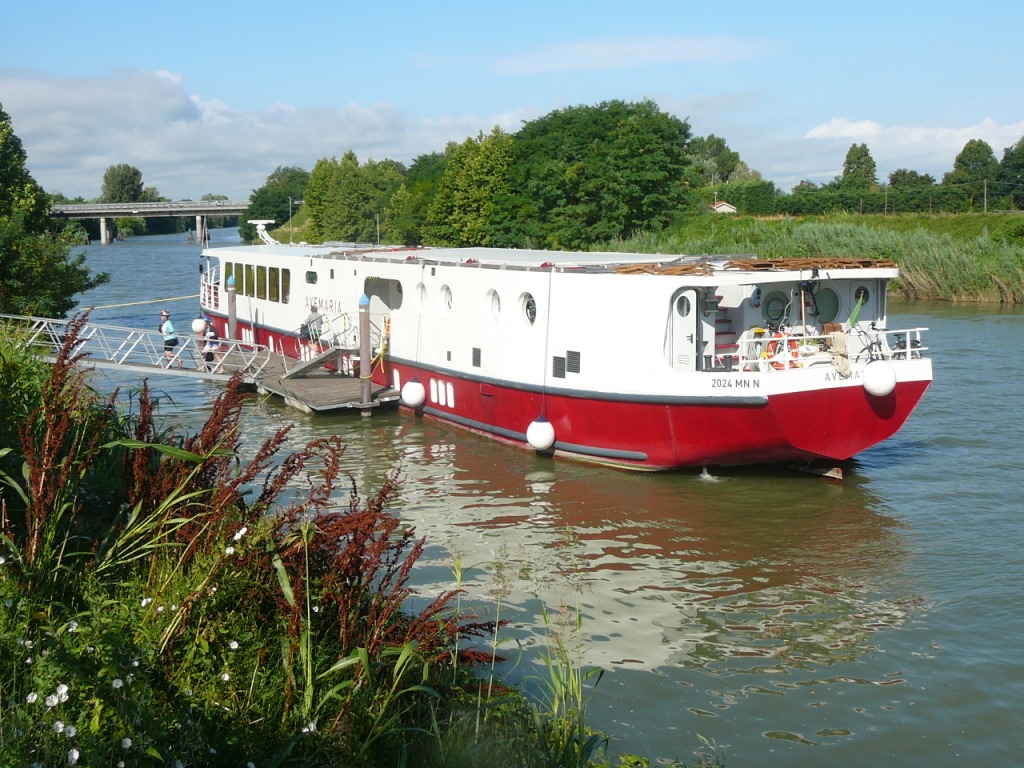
x=840, y=356
x=149, y=301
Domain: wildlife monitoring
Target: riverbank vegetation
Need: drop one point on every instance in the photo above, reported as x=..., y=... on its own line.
x=166, y=602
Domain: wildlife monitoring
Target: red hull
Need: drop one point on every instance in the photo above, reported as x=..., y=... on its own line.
x=832, y=424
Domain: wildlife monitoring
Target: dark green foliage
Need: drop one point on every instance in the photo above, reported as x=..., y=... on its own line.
x=276, y=200
x=38, y=275
x=585, y=174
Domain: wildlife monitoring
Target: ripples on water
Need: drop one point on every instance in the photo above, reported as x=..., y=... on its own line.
x=790, y=619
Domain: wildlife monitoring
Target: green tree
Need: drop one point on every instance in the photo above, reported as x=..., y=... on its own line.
x=973, y=169
x=585, y=175
x=905, y=178
x=38, y=275
x=477, y=177
x=276, y=200
x=345, y=200
x=1011, y=173
x=122, y=184
x=716, y=163
x=859, y=170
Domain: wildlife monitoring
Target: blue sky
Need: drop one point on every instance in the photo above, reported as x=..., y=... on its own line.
x=211, y=97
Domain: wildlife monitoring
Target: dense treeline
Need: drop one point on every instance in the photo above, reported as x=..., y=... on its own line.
x=583, y=176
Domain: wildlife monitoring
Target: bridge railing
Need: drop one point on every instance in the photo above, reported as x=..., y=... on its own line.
x=113, y=346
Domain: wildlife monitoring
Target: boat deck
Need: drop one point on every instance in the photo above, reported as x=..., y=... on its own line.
x=320, y=390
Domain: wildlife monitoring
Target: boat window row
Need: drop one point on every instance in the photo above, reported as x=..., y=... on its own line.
x=268, y=283
x=527, y=304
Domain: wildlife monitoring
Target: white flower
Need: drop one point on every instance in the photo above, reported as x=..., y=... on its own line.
x=146, y=601
x=28, y=660
x=118, y=682
x=241, y=532
x=229, y=551
x=126, y=743
x=225, y=677
x=250, y=764
x=2, y=559
x=159, y=609
x=135, y=662
x=51, y=701
x=58, y=727
x=72, y=626
x=70, y=731
x=72, y=756
x=233, y=645
x=62, y=692
x=309, y=727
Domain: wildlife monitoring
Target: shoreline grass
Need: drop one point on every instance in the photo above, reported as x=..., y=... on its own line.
x=165, y=602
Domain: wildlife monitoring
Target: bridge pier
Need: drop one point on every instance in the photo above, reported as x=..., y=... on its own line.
x=105, y=234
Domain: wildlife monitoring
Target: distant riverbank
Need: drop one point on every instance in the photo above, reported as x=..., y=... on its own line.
x=977, y=258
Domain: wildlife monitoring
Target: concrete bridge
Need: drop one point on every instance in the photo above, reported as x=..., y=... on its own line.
x=106, y=211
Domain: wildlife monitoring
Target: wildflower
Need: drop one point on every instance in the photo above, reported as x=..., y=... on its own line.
x=58, y=727
x=310, y=727
x=229, y=551
x=32, y=698
x=51, y=701
x=233, y=645
x=174, y=606
x=225, y=677
x=72, y=756
x=146, y=601
x=70, y=731
x=62, y=693
x=28, y=660
x=241, y=532
x=159, y=609
x=2, y=559
x=72, y=626
x=126, y=743
x=118, y=682
x=135, y=662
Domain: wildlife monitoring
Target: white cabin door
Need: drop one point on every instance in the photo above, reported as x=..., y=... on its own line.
x=684, y=341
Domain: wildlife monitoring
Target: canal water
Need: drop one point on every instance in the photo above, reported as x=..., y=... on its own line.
x=785, y=619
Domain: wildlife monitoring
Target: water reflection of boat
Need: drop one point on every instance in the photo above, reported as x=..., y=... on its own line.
x=668, y=569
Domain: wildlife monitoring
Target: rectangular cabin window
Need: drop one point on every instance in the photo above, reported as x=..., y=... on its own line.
x=250, y=281
x=311, y=277
x=261, y=282
x=275, y=284
x=286, y=285
x=229, y=271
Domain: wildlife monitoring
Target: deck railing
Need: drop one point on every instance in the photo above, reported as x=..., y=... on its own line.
x=762, y=350
x=113, y=346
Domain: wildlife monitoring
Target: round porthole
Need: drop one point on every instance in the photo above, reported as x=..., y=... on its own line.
x=421, y=294
x=494, y=301
x=861, y=295
x=775, y=307
x=529, y=307
x=683, y=306
x=446, y=298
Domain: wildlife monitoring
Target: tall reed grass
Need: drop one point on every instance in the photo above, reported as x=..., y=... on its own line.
x=933, y=265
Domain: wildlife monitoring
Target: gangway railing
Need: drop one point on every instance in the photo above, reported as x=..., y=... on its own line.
x=115, y=347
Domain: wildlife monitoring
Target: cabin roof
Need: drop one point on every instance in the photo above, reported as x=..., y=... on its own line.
x=584, y=261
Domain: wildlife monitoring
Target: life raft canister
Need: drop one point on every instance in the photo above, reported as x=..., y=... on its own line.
x=781, y=353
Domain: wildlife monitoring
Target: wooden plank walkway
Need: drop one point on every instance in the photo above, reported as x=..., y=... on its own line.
x=319, y=391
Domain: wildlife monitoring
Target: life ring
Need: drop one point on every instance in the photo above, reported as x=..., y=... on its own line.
x=780, y=353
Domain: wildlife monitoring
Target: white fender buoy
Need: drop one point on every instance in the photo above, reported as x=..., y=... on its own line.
x=198, y=325
x=540, y=434
x=413, y=393
x=879, y=378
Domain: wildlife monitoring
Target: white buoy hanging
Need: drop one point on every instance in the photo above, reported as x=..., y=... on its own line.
x=413, y=393
x=879, y=378
x=540, y=434
x=199, y=325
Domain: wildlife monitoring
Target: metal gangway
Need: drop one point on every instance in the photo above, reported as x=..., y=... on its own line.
x=118, y=348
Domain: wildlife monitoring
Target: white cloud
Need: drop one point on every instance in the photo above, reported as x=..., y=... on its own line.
x=74, y=128
x=619, y=53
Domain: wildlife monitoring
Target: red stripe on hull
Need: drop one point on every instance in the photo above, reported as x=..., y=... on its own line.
x=830, y=424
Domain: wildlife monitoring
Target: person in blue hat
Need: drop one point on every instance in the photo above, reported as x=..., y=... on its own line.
x=166, y=327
